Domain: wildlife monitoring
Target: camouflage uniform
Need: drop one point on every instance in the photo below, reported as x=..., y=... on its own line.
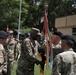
x=17, y=50
x=65, y=63
x=3, y=60
x=10, y=51
x=27, y=59
x=56, y=43
x=3, y=56
x=56, y=49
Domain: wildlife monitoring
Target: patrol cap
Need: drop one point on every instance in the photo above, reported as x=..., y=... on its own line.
x=68, y=37
x=35, y=30
x=10, y=32
x=3, y=34
x=58, y=33
x=39, y=34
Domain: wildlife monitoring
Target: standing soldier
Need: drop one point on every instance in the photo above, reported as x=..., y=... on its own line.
x=10, y=52
x=65, y=62
x=3, y=57
x=27, y=58
x=17, y=49
x=56, y=41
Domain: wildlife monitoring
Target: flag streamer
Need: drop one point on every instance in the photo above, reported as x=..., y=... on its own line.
x=47, y=34
x=7, y=29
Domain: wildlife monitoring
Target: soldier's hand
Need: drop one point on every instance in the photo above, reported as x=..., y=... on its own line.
x=38, y=62
x=42, y=63
x=4, y=72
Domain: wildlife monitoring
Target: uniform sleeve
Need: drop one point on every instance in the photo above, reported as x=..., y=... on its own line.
x=56, y=69
x=5, y=61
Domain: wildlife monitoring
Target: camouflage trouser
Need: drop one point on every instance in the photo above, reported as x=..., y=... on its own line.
x=18, y=72
x=1, y=74
x=25, y=72
x=9, y=67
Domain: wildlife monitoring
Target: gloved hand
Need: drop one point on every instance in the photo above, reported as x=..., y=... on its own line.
x=4, y=72
x=38, y=62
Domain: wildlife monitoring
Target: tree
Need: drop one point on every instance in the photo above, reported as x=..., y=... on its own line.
x=9, y=13
x=31, y=13
x=59, y=8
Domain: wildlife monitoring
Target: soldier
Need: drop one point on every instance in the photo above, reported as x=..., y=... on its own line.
x=65, y=62
x=56, y=40
x=27, y=58
x=3, y=56
x=17, y=49
x=10, y=52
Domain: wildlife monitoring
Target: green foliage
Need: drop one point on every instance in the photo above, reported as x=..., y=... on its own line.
x=31, y=13
x=25, y=30
x=9, y=13
x=59, y=8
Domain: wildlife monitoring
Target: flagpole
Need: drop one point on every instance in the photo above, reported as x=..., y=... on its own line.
x=47, y=47
x=19, y=18
x=47, y=35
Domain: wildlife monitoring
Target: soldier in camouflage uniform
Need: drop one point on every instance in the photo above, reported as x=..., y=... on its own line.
x=65, y=62
x=56, y=39
x=27, y=59
x=56, y=43
x=3, y=56
x=17, y=49
x=11, y=52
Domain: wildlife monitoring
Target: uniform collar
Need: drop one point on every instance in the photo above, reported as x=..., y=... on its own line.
x=58, y=45
x=70, y=49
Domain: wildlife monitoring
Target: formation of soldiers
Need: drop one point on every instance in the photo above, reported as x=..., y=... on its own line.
x=26, y=49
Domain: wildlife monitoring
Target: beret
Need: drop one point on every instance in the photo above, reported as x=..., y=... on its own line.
x=58, y=33
x=10, y=32
x=68, y=37
x=3, y=34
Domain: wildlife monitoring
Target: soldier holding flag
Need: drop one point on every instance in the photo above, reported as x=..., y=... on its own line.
x=27, y=58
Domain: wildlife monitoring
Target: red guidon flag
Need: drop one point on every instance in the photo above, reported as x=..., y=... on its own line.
x=45, y=27
x=46, y=33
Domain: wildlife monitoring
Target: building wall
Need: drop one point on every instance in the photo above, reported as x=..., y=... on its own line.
x=60, y=22
x=66, y=24
x=71, y=20
x=66, y=31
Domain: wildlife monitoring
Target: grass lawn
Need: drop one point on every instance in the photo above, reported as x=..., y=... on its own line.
x=47, y=71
